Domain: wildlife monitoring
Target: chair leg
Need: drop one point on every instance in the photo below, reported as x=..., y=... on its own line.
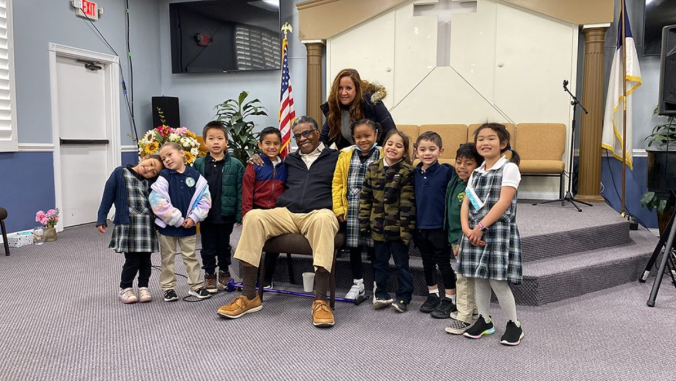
x=261, y=276
x=561, y=185
x=4, y=237
x=289, y=266
x=332, y=280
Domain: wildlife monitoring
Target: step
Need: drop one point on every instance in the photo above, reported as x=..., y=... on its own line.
x=554, y=279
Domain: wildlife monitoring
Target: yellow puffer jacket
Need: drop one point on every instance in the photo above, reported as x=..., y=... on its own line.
x=340, y=180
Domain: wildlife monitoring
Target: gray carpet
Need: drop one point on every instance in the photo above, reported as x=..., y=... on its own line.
x=61, y=320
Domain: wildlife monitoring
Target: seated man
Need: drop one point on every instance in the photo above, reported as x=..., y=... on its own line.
x=306, y=208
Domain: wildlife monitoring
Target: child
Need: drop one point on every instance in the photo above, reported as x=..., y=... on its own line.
x=347, y=183
x=387, y=212
x=466, y=160
x=180, y=199
x=262, y=184
x=490, y=250
x=224, y=176
x=431, y=180
x=134, y=233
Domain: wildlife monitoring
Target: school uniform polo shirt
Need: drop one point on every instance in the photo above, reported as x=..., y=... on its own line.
x=430, y=194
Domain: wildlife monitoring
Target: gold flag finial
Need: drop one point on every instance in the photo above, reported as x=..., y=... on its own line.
x=286, y=28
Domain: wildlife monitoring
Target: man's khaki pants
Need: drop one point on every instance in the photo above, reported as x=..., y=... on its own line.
x=319, y=227
x=168, y=253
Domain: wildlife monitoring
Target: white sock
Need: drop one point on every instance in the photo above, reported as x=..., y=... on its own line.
x=452, y=297
x=435, y=291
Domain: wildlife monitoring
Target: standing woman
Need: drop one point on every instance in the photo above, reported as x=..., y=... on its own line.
x=350, y=100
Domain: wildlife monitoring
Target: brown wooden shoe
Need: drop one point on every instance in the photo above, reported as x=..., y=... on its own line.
x=322, y=316
x=240, y=306
x=210, y=283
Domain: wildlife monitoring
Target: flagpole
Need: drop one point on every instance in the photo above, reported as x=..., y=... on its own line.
x=624, y=103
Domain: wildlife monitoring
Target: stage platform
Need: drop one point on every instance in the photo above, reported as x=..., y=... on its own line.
x=566, y=253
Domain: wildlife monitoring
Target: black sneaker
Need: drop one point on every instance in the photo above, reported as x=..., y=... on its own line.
x=444, y=309
x=170, y=296
x=513, y=334
x=480, y=328
x=200, y=293
x=430, y=304
x=400, y=306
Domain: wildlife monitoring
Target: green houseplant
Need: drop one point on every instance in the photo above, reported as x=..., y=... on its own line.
x=235, y=114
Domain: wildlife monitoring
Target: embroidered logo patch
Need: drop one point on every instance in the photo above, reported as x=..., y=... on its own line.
x=190, y=182
x=461, y=197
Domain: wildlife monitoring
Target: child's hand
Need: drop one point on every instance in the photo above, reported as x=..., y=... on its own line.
x=341, y=218
x=238, y=224
x=188, y=223
x=101, y=229
x=456, y=251
x=475, y=236
x=255, y=159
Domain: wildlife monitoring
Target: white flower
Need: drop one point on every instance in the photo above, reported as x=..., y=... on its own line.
x=195, y=151
x=174, y=137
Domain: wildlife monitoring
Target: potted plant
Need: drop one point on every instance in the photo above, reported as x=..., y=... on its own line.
x=48, y=221
x=661, y=170
x=234, y=113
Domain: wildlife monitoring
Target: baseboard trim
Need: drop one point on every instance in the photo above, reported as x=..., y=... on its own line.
x=36, y=147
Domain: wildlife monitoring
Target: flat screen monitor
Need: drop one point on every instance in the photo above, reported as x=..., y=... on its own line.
x=224, y=36
x=658, y=14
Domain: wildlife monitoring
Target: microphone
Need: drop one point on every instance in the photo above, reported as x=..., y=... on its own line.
x=565, y=83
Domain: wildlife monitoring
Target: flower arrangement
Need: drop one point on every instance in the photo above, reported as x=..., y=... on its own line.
x=152, y=140
x=48, y=219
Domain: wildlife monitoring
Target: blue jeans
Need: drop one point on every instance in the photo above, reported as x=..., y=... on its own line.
x=381, y=270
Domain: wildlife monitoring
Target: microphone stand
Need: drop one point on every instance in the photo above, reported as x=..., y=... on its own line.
x=569, y=195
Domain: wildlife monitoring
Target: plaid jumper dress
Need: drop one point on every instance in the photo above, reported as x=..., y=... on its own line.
x=500, y=259
x=355, y=180
x=139, y=235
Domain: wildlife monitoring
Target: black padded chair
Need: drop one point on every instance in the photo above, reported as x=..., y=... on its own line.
x=3, y=215
x=298, y=244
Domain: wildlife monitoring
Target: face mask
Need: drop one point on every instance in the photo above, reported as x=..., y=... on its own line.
x=361, y=150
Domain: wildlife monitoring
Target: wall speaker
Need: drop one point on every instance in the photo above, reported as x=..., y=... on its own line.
x=667, y=99
x=169, y=108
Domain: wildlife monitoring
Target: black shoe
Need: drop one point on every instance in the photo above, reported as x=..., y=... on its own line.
x=513, y=334
x=480, y=328
x=430, y=304
x=400, y=306
x=444, y=309
x=200, y=293
x=170, y=296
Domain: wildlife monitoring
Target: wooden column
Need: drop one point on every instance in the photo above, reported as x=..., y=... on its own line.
x=591, y=128
x=314, y=79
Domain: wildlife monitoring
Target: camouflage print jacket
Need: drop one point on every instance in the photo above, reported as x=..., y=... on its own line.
x=387, y=202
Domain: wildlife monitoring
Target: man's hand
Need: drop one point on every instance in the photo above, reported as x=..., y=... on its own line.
x=188, y=223
x=255, y=159
x=101, y=229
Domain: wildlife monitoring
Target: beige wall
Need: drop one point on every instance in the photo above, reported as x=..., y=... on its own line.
x=507, y=64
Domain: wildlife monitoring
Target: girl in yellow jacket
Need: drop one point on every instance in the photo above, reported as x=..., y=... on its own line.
x=347, y=182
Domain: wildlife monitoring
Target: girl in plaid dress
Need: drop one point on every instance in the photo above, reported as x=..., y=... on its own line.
x=134, y=234
x=347, y=181
x=490, y=247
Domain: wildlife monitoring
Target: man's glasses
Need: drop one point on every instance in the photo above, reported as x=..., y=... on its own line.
x=305, y=134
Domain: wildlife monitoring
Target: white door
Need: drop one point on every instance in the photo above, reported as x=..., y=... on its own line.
x=82, y=94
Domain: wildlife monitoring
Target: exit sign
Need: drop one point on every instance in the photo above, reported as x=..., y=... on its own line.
x=87, y=9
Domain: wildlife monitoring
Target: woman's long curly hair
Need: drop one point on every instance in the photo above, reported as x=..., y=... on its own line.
x=356, y=112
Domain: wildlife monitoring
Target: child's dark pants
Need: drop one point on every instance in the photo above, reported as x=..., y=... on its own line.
x=136, y=263
x=381, y=270
x=435, y=251
x=216, y=244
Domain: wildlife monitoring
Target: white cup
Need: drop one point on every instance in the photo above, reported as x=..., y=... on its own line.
x=308, y=282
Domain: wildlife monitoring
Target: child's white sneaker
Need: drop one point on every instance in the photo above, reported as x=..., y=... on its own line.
x=144, y=295
x=126, y=295
x=356, y=290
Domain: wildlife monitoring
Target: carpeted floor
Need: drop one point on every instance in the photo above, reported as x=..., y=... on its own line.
x=61, y=320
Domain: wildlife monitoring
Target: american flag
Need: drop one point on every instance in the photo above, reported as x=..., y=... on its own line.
x=286, y=111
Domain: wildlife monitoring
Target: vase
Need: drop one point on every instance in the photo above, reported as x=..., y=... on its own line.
x=50, y=234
